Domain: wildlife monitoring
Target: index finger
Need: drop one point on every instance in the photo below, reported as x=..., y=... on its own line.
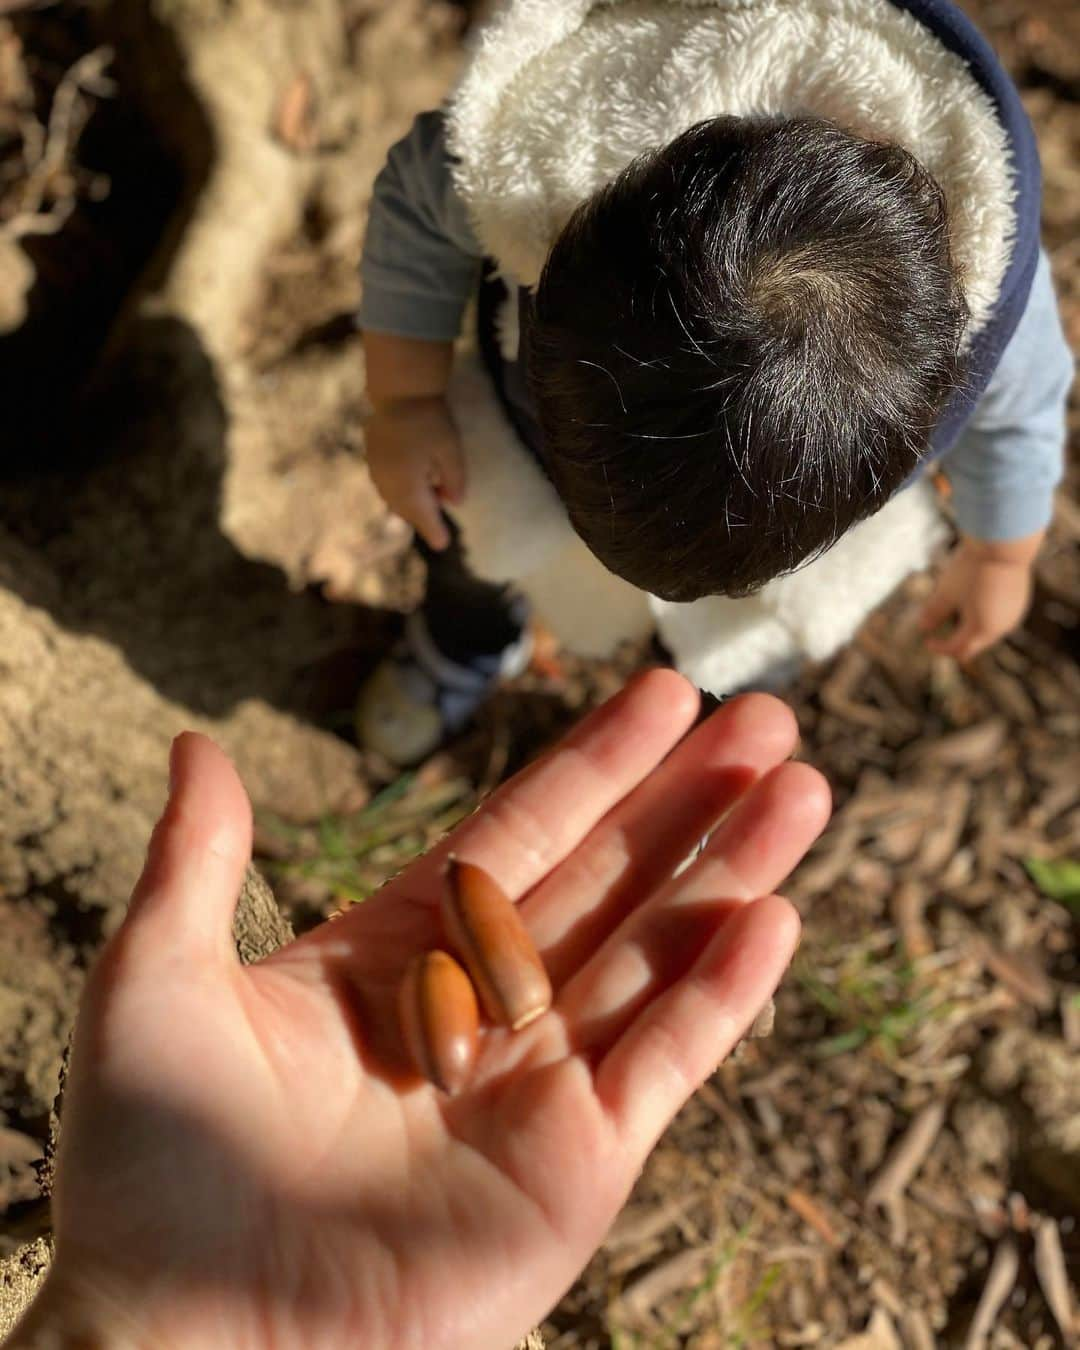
x=534, y=821
x=451, y=464
x=424, y=514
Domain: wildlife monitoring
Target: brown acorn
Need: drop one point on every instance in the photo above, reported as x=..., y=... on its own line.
x=439, y=1020
x=485, y=928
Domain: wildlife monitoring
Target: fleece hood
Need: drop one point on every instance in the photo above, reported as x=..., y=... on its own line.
x=558, y=96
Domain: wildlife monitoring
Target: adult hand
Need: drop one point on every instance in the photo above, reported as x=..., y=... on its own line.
x=246, y=1160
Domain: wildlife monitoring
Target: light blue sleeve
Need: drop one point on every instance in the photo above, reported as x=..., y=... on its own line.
x=1010, y=457
x=421, y=261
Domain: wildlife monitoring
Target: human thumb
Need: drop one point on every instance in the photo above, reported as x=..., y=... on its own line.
x=198, y=853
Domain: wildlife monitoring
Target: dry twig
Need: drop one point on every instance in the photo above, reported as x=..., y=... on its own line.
x=812, y=1214
x=941, y=838
x=999, y=1285
x=678, y=1272
x=1053, y=1279
x=887, y=1191
x=908, y=903
x=1021, y=977
x=918, y=1333
x=48, y=152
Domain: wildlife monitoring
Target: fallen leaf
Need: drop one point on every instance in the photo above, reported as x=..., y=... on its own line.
x=1057, y=878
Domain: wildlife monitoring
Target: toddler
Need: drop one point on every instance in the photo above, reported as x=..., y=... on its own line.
x=739, y=271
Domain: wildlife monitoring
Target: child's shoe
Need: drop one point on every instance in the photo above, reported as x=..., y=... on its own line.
x=418, y=697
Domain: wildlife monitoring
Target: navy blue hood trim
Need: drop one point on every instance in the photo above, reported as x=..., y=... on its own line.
x=955, y=31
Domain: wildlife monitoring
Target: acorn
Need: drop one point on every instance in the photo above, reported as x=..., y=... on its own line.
x=485, y=928
x=439, y=1020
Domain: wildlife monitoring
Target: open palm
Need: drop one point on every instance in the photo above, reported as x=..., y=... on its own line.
x=247, y=1160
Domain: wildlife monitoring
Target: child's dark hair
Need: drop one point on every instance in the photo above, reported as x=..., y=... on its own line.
x=740, y=347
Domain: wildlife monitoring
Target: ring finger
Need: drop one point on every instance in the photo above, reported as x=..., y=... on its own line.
x=642, y=841
x=751, y=853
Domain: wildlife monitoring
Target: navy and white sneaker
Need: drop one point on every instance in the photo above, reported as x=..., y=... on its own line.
x=418, y=697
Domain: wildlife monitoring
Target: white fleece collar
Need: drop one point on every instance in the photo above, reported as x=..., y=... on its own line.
x=559, y=95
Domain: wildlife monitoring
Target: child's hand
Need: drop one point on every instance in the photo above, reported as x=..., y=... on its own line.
x=985, y=588
x=416, y=462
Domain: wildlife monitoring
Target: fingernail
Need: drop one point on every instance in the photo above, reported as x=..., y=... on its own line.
x=486, y=929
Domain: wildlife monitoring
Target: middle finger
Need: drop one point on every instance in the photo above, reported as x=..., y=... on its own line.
x=642, y=841
x=756, y=847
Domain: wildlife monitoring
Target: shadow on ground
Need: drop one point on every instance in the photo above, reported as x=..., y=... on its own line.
x=131, y=537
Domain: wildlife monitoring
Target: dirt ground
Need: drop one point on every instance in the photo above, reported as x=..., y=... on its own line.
x=188, y=537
